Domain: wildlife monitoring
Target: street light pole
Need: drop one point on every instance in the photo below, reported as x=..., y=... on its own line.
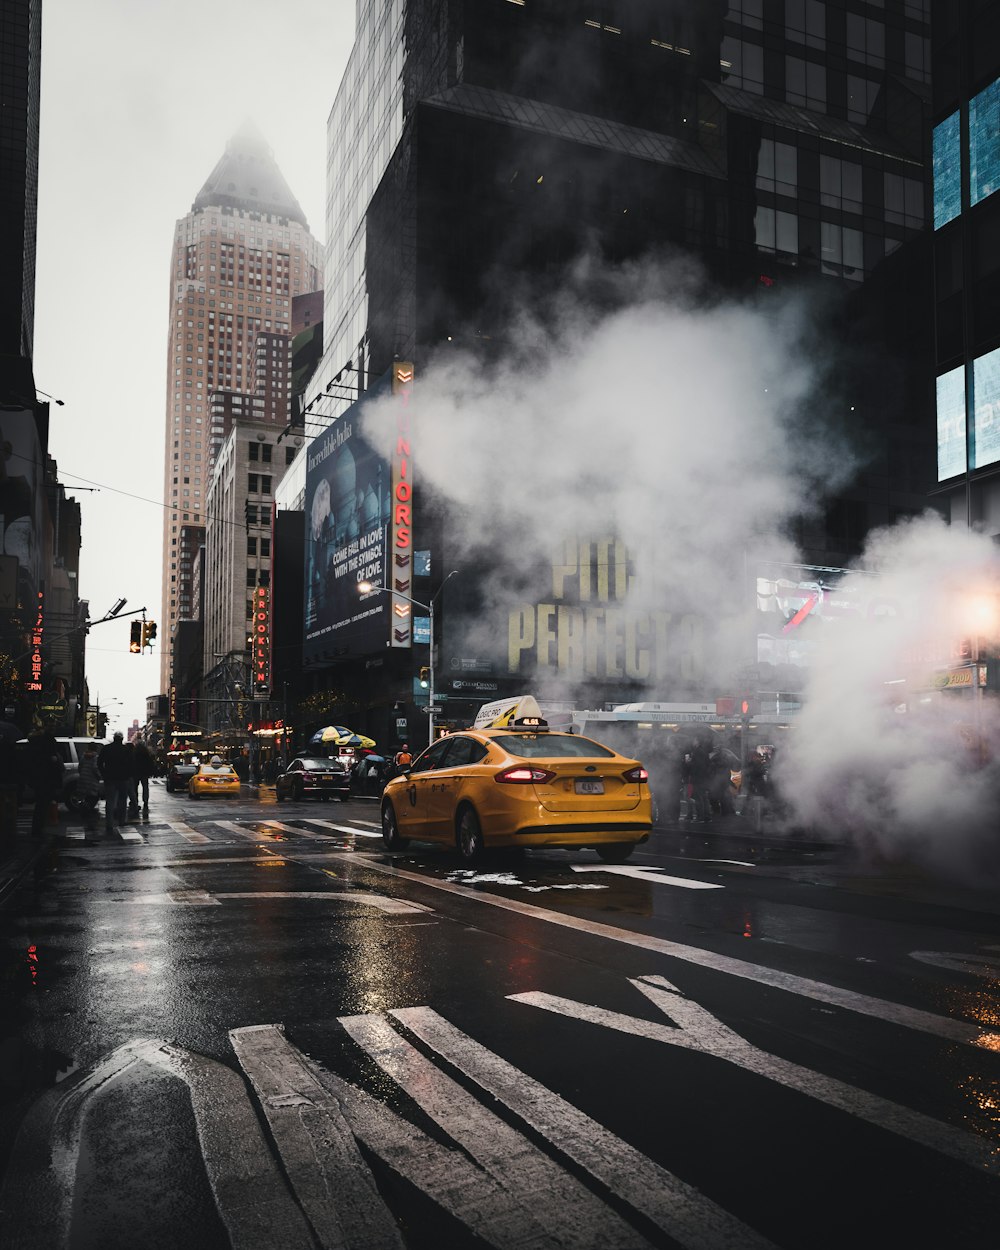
x=366, y=587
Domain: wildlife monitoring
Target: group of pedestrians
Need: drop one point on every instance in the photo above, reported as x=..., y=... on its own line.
x=125, y=768
x=705, y=784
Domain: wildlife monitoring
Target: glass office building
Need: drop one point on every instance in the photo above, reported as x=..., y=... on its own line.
x=966, y=259
x=477, y=148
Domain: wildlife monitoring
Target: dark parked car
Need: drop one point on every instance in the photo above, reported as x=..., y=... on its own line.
x=178, y=776
x=310, y=777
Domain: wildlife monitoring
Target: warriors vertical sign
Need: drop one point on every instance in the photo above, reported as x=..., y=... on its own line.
x=401, y=529
x=261, y=641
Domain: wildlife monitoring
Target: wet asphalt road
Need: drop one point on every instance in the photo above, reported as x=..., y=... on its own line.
x=250, y=1025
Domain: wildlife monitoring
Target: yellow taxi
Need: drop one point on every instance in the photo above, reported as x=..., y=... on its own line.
x=214, y=778
x=519, y=786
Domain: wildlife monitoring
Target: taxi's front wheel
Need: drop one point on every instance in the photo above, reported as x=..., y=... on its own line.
x=469, y=838
x=390, y=830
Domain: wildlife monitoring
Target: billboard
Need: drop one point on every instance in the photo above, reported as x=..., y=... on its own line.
x=947, y=160
x=984, y=143
x=359, y=528
x=574, y=621
x=951, y=453
x=986, y=409
x=347, y=515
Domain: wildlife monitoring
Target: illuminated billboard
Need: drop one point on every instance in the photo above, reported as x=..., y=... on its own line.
x=984, y=143
x=573, y=621
x=951, y=452
x=986, y=409
x=947, y=163
x=347, y=515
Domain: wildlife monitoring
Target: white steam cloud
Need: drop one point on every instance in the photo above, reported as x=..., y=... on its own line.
x=695, y=433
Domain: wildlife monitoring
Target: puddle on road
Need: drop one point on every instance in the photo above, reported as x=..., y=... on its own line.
x=468, y=876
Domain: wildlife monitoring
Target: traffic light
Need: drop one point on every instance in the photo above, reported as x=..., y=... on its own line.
x=148, y=633
x=135, y=643
x=425, y=677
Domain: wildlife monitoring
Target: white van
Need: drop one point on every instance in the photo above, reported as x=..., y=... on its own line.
x=71, y=750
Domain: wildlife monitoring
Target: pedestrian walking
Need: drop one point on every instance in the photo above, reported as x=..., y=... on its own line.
x=143, y=767
x=701, y=774
x=88, y=787
x=115, y=765
x=44, y=767
x=756, y=782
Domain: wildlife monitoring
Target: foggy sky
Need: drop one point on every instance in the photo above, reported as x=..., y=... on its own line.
x=139, y=98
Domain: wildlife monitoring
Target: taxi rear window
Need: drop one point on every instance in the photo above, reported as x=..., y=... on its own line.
x=554, y=746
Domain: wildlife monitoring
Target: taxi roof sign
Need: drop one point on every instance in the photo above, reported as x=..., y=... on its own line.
x=502, y=713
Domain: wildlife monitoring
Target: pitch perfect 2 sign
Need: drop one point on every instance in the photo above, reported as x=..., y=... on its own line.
x=357, y=515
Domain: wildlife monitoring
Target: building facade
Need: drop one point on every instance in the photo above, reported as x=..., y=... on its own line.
x=966, y=260
x=240, y=257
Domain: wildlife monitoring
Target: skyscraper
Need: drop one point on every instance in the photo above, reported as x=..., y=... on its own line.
x=240, y=256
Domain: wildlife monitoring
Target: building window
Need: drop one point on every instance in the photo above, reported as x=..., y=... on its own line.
x=866, y=40
x=805, y=83
x=840, y=184
x=265, y=453
x=775, y=231
x=251, y=546
x=777, y=168
x=265, y=484
x=805, y=22
x=254, y=451
x=742, y=65
x=252, y=483
x=289, y=455
x=904, y=201
x=861, y=96
x=842, y=251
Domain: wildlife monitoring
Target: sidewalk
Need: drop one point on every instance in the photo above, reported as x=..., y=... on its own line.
x=745, y=825
x=22, y=855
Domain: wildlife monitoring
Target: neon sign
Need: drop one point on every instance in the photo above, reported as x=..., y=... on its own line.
x=401, y=530
x=261, y=640
x=34, y=682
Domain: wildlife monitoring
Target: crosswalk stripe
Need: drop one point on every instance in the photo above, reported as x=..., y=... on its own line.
x=444, y=1174
x=679, y=1209
x=327, y=1170
x=185, y=830
x=361, y=833
x=569, y=1213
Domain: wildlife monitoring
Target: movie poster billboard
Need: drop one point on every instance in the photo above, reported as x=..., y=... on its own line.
x=348, y=515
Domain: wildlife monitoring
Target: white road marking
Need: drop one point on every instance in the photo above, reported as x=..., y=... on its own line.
x=231, y=826
x=185, y=830
x=863, y=1004
x=182, y=898
x=444, y=1174
x=199, y=898
x=647, y=874
x=680, y=1210
x=130, y=835
x=208, y=861
x=568, y=1212
x=975, y=965
x=368, y=824
x=700, y=1030
x=250, y=1194
x=327, y=1170
x=360, y=833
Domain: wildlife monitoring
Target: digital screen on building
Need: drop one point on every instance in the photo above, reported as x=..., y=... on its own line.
x=986, y=409
x=796, y=605
x=951, y=454
x=984, y=143
x=348, y=511
x=947, y=159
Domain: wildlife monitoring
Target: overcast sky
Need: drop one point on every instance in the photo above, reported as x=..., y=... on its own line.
x=138, y=100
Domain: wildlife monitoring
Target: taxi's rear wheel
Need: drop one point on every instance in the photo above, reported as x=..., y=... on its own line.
x=390, y=830
x=615, y=852
x=469, y=837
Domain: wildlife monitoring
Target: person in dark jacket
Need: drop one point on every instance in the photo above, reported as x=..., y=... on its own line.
x=44, y=767
x=115, y=766
x=143, y=767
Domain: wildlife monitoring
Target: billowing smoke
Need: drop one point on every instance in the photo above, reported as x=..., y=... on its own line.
x=892, y=746
x=693, y=433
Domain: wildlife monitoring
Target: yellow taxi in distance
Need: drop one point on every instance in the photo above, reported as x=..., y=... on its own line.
x=214, y=778
x=520, y=786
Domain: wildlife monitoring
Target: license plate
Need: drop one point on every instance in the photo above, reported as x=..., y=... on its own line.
x=325, y=777
x=587, y=786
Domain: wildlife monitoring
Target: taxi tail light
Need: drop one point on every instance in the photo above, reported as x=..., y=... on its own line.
x=636, y=774
x=522, y=775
